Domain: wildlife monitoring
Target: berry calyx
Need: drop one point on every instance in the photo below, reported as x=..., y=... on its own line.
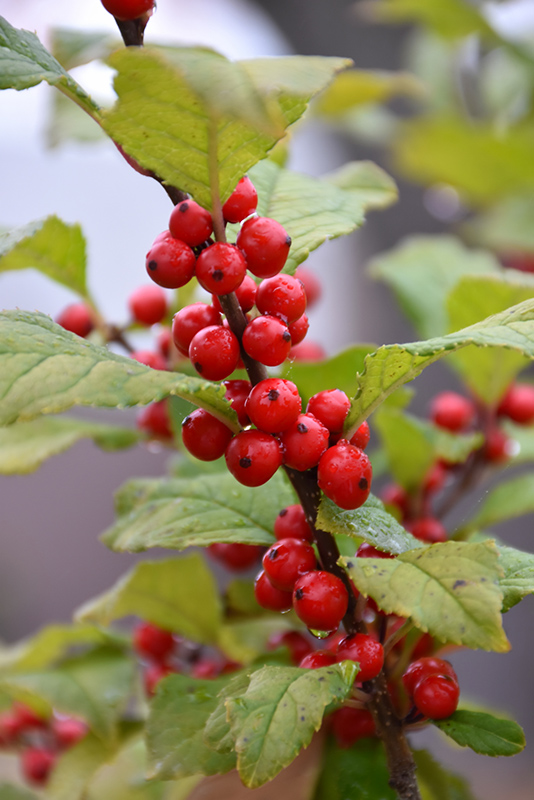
x=437, y=696
x=76, y=318
x=452, y=411
x=269, y=597
x=220, y=268
x=170, y=263
x=235, y=556
x=320, y=600
x=282, y=296
x=128, y=9
x=253, y=457
x=291, y=522
x=344, y=474
x=304, y=442
x=190, y=223
x=214, y=352
x=205, y=436
x=518, y=404
x=273, y=405
x=366, y=651
x=285, y=562
x=318, y=659
x=152, y=641
x=265, y=244
x=242, y=202
x=330, y=407
x=267, y=340
x=189, y=321
x=148, y=304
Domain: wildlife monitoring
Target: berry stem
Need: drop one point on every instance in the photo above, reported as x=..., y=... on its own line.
x=397, y=636
x=132, y=30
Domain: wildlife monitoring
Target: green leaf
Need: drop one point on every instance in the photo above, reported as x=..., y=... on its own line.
x=95, y=687
x=437, y=783
x=356, y=87
x=278, y=714
x=51, y=246
x=24, y=446
x=73, y=47
x=358, y=772
x=518, y=579
x=449, y=18
x=46, y=369
x=483, y=733
x=508, y=500
x=24, y=62
x=10, y=792
x=393, y=365
x=50, y=645
x=200, y=121
x=370, y=523
x=523, y=438
x=183, y=513
x=314, y=210
x=450, y=590
x=175, y=728
x=339, y=371
x=66, y=123
x=75, y=769
x=422, y=270
x=245, y=640
x=178, y=594
x=217, y=733
x=508, y=226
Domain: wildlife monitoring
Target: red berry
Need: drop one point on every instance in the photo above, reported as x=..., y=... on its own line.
x=153, y=674
x=424, y=667
x=291, y=522
x=267, y=340
x=428, y=529
x=330, y=407
x=170, y=263
x=344, y=474
x=235, y=556
x=318, y=659
x=27, y=718
x=154, y=420
x=304, y=442
x=298, y=330
x=214, y=352
x=362, y=436
x=36, y=764
x=273, y=405
x=265, y=244
x=296, y=643
x=69, y=730
x=282, y=296
x=164, y=342
x=253, y=457
x=288, y=559
x=312, y=284
x=204, y=435
x=148, y=304
x=435, y=478
x=236, y=393
x=150, y=359
x=395, y=495
x=10, y=728
x=437, y=696
x=151, y=641
x=76, y=318
x=351, y=724
x=245, y=293
x=366, y=550
x=518, y=403
x=206, y=669
x=242, y=202
x=269, y=597
x=320, y=600
x=308, y=351
x=497, y=447
x=452, y=411
x=189, y=321
x=191, y=223
x=221, y=268
x=366, y=651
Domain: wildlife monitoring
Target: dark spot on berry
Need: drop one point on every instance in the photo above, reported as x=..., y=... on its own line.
x=183, y=207
x=283, y=512
x=152, y=265
x=288, y=241
x=198, y=366
x=245, y=462
x=458, y=583
x=217, y=275
x=286, y=336
x=302, y=428
x=363, y=484
x=273, y=554
x=273, y=394
x=299, y=594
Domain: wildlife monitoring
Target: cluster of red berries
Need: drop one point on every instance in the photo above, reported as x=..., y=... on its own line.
x=38, y=740
x=432, y=684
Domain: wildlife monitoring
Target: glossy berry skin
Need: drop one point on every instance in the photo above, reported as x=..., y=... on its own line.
x=269, y=597
x=253, y=457
x=298, y=330
x=154, y=420
x=265, y=244
x=312, y=284
x=237, y=392
x=149, y=359
x=170, y=263
x=320, y=600
x=344, y=474
x=267, y=340
x=36, y=764
x=148, y=304
x=235, y=556
x=190, y=223
x=282, y=296
x=330, y=407
x=366, y=550
x=366, y=651
x=428, y=529
x=245, y=294
x=214, y=352
x=189, y=321
x=518, y=404
x=362, y=436
x=299, y=647
x=153, y=674
x=285, y=562
x=69, y=731
x=349, y=725
x=205, y=436
x=273, y=405
x=422, y=668
x=437, y=696
x=452, y=411
x=128, y=9
x=242, y=202
x=291, y=522
x=152, y=642
x=221, y=268
x=304, y=442
x=318, y=659
x=76, y=318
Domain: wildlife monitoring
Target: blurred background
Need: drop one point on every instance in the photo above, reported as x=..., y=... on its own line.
x=50, y=520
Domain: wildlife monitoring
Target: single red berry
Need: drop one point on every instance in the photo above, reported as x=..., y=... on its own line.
x=36, y=764
x=150, y=359
x=236, y=393
x=291, y=522
x=452, y=411
x=214, y=352
x=296, y=643
x=245, y=293
x=265, y=244
x=154, y=420
x=366, y=550
x=273, y=405
x=437, y=696
x=269, y=597
x=308, y=351
x=189, y=321
x=27, y=718
x=366, y=651
x=298, y=330
x=282, y=296
x=170, y=263
x=76, y=318
x=318, y=659
x=395, y=495
x=191, y=223
x=148, y=304
x=518, y=404
x=236, y=556
x=152, y=641
x=497, y=447
x=344, y=474
x=206, y=669
x=435, y=478
x=362, y=436
x=253, y=457
x=267, y=340
x=10, y=728
x=288, y=559
x=330, y=407
x=522, y=261
x=428, y=529
x=304, y=442
x=242, y=202
x=221, y=268
x=153, y=674
x=349, y=725
x=204, y=435
x=320, y=600
x=312, y=284
x=161, y=237
x=164, y=342
x=424, y=667
x=69, y=731
x=128, y=9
